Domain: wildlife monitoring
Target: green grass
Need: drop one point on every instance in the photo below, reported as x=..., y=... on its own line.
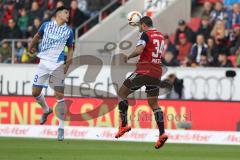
x=49, y=149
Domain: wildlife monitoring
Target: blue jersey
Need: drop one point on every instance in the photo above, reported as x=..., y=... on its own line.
x=54, y=40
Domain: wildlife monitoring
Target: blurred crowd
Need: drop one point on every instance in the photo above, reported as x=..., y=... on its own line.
x=216, y=42
x=20, y=19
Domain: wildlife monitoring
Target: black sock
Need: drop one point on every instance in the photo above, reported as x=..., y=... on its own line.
x=123, y=108
x=159, y=120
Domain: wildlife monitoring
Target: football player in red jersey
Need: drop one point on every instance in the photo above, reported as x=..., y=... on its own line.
x=148, y=72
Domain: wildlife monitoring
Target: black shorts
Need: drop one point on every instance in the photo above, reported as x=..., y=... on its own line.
x=135, y=81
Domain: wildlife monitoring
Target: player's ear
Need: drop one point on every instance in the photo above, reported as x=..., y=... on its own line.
x=144, y=26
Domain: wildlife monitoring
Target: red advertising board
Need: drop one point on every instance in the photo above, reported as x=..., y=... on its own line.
x=94, y=112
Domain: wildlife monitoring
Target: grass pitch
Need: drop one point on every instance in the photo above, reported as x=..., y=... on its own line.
x=49, y=149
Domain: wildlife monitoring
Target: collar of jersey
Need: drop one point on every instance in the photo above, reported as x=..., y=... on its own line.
x=55, y=22
x=152, y=29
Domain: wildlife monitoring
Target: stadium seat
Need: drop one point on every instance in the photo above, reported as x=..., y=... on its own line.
x=233, y=59
x=194, y=23
x=213, y=1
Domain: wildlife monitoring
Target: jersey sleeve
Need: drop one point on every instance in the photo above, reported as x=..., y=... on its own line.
x=143, y=39
x=70, y=40
x=41, y=29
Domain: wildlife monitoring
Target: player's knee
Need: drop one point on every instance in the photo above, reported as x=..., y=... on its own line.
x=123, y=105
x=35, y=93
x=153, y=104
x=119, y=93
x=123, y=92
x=59, y=95
x=122, y=95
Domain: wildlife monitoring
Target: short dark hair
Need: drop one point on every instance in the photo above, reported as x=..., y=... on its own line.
x=146, y=20
x=61, y=8
x=181, y=22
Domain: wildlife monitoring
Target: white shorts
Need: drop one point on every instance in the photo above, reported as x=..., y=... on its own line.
x=49, y=73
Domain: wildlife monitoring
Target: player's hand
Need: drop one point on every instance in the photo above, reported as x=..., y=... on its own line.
x=66, y=66
x=126, y=58
x=32, y=50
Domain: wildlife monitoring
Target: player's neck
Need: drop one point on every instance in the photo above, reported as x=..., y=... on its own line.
x=147, y=29
x=150, y=28
x=59, y=21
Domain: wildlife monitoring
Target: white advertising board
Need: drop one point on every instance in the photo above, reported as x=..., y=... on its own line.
x=136, y=135
x=199, y=83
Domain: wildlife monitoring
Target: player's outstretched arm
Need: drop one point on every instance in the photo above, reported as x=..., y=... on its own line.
x=33, y=42
x=37, y=37
x=138, y=50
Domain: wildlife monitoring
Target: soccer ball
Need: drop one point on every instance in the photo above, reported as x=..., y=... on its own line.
x=134, y=18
